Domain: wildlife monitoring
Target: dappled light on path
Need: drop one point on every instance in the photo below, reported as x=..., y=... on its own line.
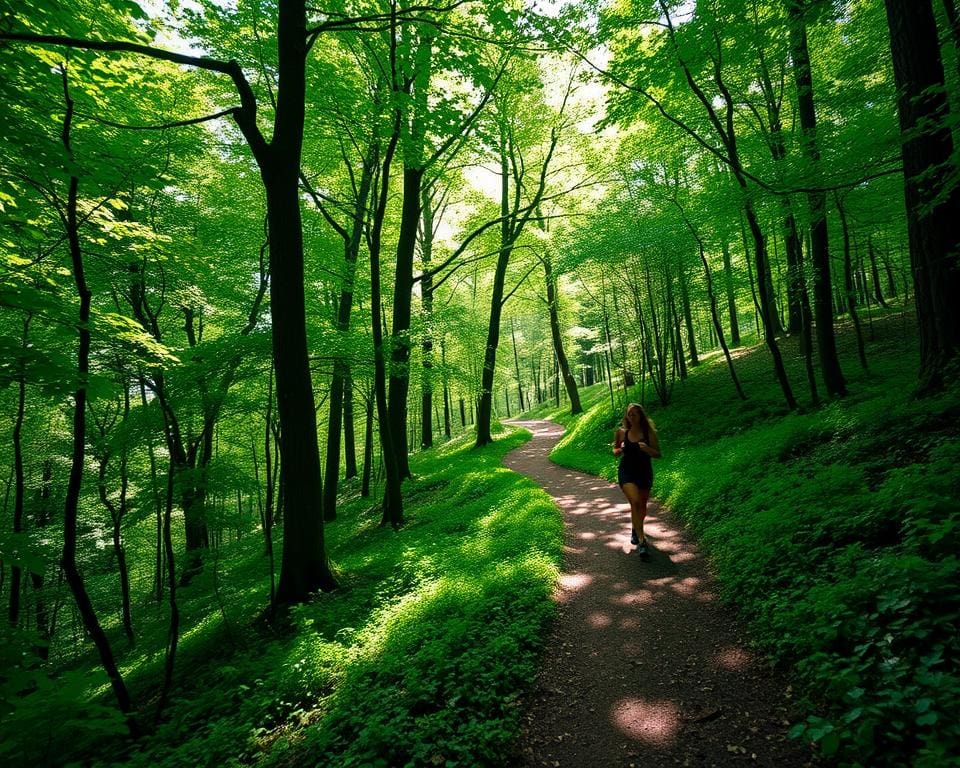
x=644, y=665
x=654, y=722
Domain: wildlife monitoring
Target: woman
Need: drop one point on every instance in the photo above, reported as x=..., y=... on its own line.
x=636, y=444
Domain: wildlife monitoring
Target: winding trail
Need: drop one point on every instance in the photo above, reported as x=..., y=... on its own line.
x=644, y=666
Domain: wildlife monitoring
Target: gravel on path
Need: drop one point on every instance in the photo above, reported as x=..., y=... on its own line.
x=644, y=665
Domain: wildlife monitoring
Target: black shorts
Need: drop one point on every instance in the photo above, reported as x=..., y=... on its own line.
x=639, y=476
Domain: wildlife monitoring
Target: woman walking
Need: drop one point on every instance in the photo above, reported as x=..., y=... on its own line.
x=636, y=443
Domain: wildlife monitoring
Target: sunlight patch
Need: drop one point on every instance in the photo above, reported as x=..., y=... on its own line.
x=599, y=620
x=733, y=658
x=652, y=722
x=574, y=582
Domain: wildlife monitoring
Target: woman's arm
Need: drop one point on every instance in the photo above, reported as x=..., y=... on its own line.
x=653, y=447
x=618, y=442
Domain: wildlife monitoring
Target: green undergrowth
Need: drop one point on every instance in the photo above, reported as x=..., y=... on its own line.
x=835, y=532
x=419, y=658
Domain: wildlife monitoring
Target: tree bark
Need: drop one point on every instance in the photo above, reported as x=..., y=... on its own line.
x=341, y=370
x=69, y=559
x=303, y=568
x=731, y=296
x=819, y=247
x=553, y=304
x=933, y=201
x=16, y=572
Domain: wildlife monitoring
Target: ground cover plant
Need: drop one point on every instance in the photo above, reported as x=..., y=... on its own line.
x=834, y=531
x=418, y=658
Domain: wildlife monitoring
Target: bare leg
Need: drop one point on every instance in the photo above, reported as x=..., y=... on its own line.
x=638, y=506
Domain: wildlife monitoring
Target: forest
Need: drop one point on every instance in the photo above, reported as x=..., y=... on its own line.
x=278, y=277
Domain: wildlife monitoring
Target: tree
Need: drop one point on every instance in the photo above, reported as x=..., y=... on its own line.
x=932, y=197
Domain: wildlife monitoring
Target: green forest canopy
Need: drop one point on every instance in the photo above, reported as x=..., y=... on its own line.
x=256, y=254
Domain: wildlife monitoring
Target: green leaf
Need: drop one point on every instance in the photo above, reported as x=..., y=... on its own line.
x=830, y=743
x=927, y=719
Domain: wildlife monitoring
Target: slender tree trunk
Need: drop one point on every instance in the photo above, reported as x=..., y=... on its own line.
x=426, y=301
x=349, y=438
x=71, y=571
x=851, y=299
x=341, y=369
x=173, y=628
x=367, y=446
x=715, y=314
x=875, y=274
x=553, y=305
x=766, y=311
x=819, y=246
x=688, y=318
x=516, y=365
x=393, y=499
x=446, y=391
x=731, y=296
x=157, y=504
x=16, y=573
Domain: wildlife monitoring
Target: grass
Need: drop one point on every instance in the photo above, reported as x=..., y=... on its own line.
x=418, y=659
x=833, y=530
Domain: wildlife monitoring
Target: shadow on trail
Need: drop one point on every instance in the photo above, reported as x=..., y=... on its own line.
x=644, y=664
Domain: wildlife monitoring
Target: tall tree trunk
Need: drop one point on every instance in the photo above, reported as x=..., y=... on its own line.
x=851, y=298
x=367, y=446
x=731, y=296
x=715, y=314
x=45, y=625
x=446, y=391
x=303, y=568
x=16, y=573
x=341, y=368
x=688, y=318
x=553, y=305
x=349, y=438
x=393, y=499
x=819, y=247
x=173, y=628
x=402, y=298
x=426, y=301
x=485, y=405
x=69, y=560
x=933, y=200
x=516, y=365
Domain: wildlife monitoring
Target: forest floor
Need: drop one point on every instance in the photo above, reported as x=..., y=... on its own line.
x=644, y=666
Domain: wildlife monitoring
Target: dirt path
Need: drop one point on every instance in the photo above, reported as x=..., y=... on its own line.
x=645, y=667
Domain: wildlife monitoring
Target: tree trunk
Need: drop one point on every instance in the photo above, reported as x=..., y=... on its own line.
x=393, y=499
x=851, y=299
x=69, y=560
x=688, y=318
x=766, y=311
x=819, y=246
x=426, y=300
x=553, y=304
x=303, y=567
x=367, y=446
x=341, y=370
x=485, y=406
x=933, y=200
x=16, y=573
x=402, y=298
x=349, y=438
x=516, y=365
x=731, y=296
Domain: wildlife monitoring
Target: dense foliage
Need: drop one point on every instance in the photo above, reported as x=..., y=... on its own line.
x=256, y=255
